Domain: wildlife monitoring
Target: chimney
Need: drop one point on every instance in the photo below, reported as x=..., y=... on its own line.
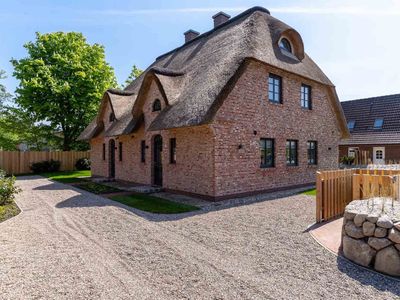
x=220, y=18
x=190, y=35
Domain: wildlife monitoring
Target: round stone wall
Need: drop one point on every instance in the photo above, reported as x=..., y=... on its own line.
x=371, y=234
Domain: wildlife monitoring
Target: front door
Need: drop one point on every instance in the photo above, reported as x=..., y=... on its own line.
x=379, y=155
x=157, y=160
x=111, y=159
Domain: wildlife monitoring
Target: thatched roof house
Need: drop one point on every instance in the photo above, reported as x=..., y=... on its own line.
x=195, y=79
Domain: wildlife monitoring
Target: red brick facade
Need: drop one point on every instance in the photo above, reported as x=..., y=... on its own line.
x=223, y=158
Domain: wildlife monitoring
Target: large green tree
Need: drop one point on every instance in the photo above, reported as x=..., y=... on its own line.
x=62, y=81
x=135, y=73
x=4, y=95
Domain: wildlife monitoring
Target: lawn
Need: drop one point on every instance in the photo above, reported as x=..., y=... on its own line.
x=97, y=188
x=68, y=176
x=7, y=211
x=154, y=204
x=312, y=192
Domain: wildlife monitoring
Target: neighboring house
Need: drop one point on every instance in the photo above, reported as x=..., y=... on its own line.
x=236, y=110
x=374, y=124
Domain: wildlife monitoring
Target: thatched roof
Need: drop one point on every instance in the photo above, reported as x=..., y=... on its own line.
x=192, y=77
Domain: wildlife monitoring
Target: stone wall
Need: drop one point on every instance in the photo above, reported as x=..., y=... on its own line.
x=371, y=234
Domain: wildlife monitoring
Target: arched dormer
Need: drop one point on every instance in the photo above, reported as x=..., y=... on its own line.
x=111, y=117
x=291, y=43
x=156, y=105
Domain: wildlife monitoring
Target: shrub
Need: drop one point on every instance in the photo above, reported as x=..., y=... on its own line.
x=83, y=164
x=347, y=160
x=8, y=190
x=46, y=166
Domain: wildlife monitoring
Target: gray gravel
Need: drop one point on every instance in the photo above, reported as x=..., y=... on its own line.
x=69, y=244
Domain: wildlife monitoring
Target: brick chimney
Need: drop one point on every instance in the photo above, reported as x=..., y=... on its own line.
x=190, y=35
x=220, y=18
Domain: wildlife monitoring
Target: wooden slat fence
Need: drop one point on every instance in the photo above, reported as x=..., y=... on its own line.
x=336, y=189
x=18, y=162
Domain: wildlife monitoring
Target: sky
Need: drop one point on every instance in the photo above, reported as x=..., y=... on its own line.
x=355, y=42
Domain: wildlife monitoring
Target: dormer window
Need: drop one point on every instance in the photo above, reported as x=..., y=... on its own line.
x=157, y=105
x=378, y=123
x=350, y=125
x=111, y=117
x=285, y=45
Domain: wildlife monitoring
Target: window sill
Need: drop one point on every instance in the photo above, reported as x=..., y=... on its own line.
x=305, y=108
x=291, y=166
x=275, y=102
x=267, y=167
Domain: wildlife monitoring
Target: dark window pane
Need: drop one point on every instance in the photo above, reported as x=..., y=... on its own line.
x=143, y=151
x=120, y=151
x=172, y=149
x=267, y=153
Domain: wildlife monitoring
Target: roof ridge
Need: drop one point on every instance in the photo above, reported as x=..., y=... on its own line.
x=371, y=98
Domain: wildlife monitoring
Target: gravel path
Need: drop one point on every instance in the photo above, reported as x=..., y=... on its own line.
x=69, y=244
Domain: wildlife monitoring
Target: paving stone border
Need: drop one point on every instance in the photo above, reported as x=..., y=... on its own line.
x=371, y=234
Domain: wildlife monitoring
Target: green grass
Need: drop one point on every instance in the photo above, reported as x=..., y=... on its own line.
x=68, y=176
x=7, y=211
x=154, y=204
x=312, y=192
x=97, y=188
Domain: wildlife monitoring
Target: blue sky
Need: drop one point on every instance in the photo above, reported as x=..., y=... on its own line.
x=354, y=42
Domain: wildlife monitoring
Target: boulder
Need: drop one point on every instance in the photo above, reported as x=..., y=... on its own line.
x=359, y=219
x=384, y=222
x=394, y=236
x=378, y=243
x=372, y=218
x=380, y=232
x=358, y=251
x=353, y=231
x=397, y=246
x=397, y=226
x=348, y=215
x=388, y=261
x=368, y=228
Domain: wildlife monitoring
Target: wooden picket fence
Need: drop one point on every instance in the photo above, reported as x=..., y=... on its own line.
x=336, y=189
x=18, y=162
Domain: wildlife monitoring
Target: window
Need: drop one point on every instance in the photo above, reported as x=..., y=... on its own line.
x=275, y=88
x=143, y=151
x=379, y=154
x=351, y=124
x=120, y=151
x=111, y=117
x=312, y=152
x=352, y=152
x=157, y=105
x=291, y=153
x=104, y=151
x=285, y=45
x=172, y=150
x=305, y=96
x=267, y=153
x=378, y=123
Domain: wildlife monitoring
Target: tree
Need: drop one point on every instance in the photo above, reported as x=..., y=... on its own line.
x=135, y=73
x=62, y=81
x=4, y=95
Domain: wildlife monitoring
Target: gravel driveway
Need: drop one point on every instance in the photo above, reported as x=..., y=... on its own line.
x=69, y=244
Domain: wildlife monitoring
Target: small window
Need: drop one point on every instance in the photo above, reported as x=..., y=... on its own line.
x=312, y=152
x=379, y=154
x=111, y=117
x=143, y=151
x=351, y=125
x=120, y=151
x=284, y=44
x=275, y=88
x=378, y=123
x=291, y=153
x=157, y=105
x=305, y=96
x=172, y=150
x=267, y=153
x=104, y=151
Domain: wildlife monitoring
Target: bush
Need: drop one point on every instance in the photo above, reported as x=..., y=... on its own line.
x=8, y=190
x=83, y=164
x=46, y=166
x=347, y=160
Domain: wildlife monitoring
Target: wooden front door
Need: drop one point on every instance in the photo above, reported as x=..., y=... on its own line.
x=111, y=159
x=157, y=160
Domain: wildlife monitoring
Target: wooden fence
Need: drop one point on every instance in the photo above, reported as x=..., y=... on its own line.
x=335, y=189
x=16, y=162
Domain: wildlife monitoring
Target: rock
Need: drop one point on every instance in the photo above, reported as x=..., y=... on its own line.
x=397, y=226
x=397, y=246
x=378, y=244
x=388, y=261
x=380, y=232
x=359, y=219
x=368, y=228
x=394, y=235
x=349, y=215
x=358, y=251
x=353, y=231
x=372, y=218
x=384, y=222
